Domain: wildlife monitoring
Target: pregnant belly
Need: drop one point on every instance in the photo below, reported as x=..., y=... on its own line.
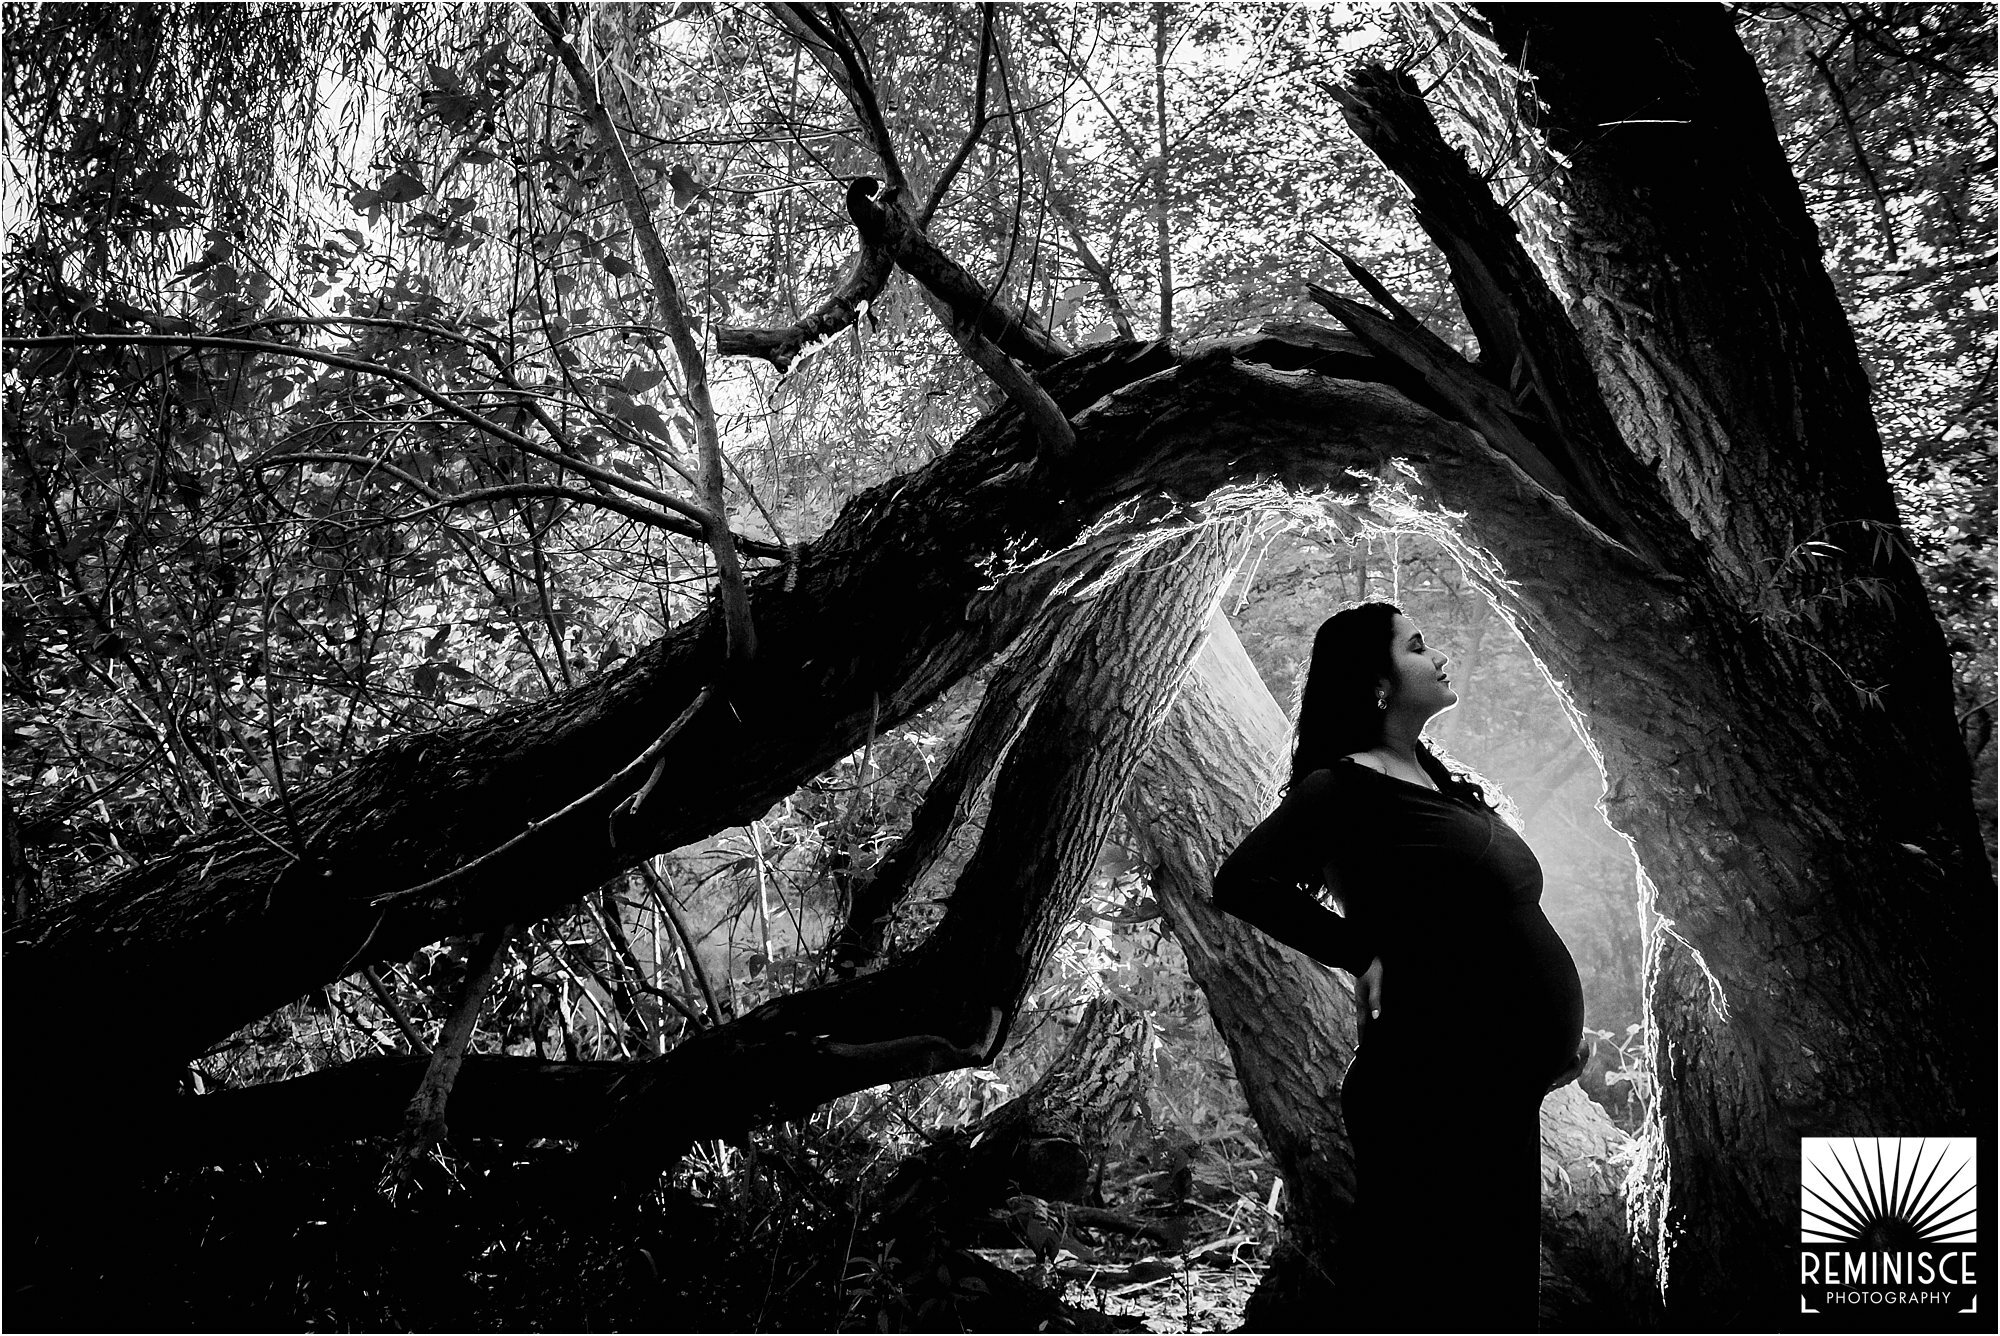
x=1550, y=996
x=1504, y=996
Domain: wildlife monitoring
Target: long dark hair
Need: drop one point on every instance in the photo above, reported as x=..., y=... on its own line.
x=1337, y=711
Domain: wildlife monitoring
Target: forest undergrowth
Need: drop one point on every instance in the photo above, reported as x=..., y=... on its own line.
x=780, y=1231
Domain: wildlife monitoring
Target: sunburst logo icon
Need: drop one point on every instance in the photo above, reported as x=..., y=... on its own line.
x=1892, y=1194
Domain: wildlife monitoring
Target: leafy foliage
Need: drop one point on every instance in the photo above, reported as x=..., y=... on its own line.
x=354, y=421
x=1887, y=114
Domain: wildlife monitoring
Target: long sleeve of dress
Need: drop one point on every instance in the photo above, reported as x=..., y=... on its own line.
x=1270, y=880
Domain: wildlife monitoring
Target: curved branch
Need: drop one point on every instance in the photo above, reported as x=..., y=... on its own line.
x=506, y=435
x=832, y=45
x=780, y=345
x=443, y=500
x=912, y=585
x=882, y=220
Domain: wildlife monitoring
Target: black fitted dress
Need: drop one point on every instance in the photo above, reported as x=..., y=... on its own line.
x=1481, y=1009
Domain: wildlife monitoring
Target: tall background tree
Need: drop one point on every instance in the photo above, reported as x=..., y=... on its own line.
x=375, y=503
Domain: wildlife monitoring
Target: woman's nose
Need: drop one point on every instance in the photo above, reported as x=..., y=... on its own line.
x=1442, y=660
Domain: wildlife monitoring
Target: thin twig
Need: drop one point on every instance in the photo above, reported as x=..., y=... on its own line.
x=607, y=921
x=663, y=895
x=980, y=119
x=1860, y=154
x=395, y=1010
x=735, y=597
x=353, y=1017
x=510, y=491
x=655, y=752
x=611, y=1020
x=199, y=342
x=1096, y=268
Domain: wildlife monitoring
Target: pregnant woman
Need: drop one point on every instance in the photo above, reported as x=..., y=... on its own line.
x=1470, y=1006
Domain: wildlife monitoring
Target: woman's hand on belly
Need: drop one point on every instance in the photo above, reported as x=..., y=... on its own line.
x=1368, y=990
x=1575, y=1068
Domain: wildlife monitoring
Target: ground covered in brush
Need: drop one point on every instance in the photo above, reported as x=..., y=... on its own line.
x=785, y=1233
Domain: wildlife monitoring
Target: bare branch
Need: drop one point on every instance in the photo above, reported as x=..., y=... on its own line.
x=418, y=1044
x=979, y=122
x=1051, y=426
x=882, y=219
x=780, y=345
x=831, y=43
x=423, y=1125
x=441, y=500
x=735, y=598
x=444, y=401
x=1114, y=305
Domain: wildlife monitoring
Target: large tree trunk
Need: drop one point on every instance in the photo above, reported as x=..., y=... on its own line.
x=1823, y=967
x=1654, y=661
x=1288, y=1021
x=1777, y=735
x=1045, y=1142
x=1212, y=775
x=949, y=1004
x=915, y=583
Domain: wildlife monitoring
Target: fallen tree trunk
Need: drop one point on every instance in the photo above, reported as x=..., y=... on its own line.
x=949, y=1004
x=1288, y=1021
x=1773, y=770
x=1045, y=1142
x=915, y=583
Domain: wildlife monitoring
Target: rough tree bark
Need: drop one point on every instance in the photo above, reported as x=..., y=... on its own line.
x=1010, y=694
x=916, y=582
x=1044, y=1142
x=1617, y=631
x=1797, y=796
x=948, y=1004
x=1814, y=849
x=1288, y=1021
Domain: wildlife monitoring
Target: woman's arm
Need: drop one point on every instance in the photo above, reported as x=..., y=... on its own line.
x=1268, y=881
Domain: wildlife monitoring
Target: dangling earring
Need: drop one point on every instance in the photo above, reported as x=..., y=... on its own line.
x=1382, y=702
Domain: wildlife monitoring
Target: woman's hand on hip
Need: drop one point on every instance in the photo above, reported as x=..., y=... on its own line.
x=1368, y=990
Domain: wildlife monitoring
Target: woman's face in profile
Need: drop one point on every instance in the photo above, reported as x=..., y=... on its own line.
x=1419, y=683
